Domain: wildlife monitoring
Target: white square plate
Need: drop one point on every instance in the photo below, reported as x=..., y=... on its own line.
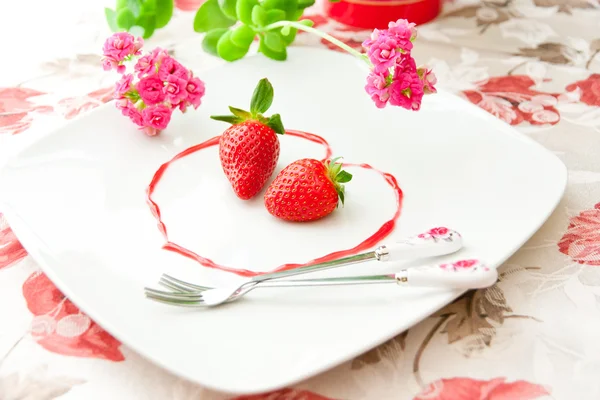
x=77, y=201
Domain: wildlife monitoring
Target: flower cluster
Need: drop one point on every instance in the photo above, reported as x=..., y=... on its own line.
x=162, y=83
x=394, y=76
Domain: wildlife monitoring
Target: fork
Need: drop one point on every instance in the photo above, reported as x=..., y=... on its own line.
x=434, y=242
x=464, y=274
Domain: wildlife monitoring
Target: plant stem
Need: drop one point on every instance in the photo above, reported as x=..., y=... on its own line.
x=524, y=317
x=519, y=65
x=302, y=27
x=11, y=349
x=424, y=344
x=589, y=62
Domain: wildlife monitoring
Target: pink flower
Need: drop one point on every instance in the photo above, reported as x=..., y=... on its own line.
x=581, y=241
x=148, y=64
x=78, y=336
x=175, y=89
x=465, y=264
x=378, y=88
x=159, y=54
x=407, y=87
x=150, y=131
x=123, y=85
x=405, y=32
x=494, y=389
x=122, y=104
x=590, y=89
x=157, y=117
x=145, y=65
x=441, y=231
x=383, y=53
x=109, y=63
x=151, y=90
x=385, y=47
x=511, y=99
x=121, y=45
x=195, y=90
x=284, y=394
x=134, y=114
x=169, y=66
x=429, y=79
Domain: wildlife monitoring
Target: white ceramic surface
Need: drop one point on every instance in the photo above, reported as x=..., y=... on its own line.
x=76, y=199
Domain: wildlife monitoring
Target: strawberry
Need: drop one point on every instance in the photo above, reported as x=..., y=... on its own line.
x=249, y=148
x=306, y=190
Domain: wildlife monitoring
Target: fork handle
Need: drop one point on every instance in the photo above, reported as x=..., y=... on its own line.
x=465, y=274
x=434, y=242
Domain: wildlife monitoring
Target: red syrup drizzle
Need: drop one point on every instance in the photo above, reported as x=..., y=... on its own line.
x=371, y=241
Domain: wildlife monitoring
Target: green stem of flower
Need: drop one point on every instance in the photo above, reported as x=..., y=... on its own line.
x=309, y=29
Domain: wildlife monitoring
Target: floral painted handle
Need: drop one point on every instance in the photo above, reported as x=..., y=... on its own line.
x=435, y=242
x=464, y=274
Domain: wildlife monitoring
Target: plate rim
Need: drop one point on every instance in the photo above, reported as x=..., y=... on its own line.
x=34, y=242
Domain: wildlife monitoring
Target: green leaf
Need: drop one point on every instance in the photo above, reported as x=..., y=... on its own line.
x=274, y=4
x=148, y=22
x=227, y=50
x=279, y=56
x=243, y=114
x=243, y=8
x=125, y=19
x=276, y=124
x=291, y=6
x=296, y=15
x=111, y=19
x=209, y=43
x=135, y=6
x=275, y=15
x=209, y=16
x=343, y=177
x=334, y=168
x=121, y=4
x=149, y=7
x=232, y=119
x=287, y=6
x=229, y=8
x=286, y=30
x=302, y=4
x=259, y=16
x=288, y=39
x=164, y=12
x=307, y=22
x=243, y=36
x=262, y=98
x=274, y=41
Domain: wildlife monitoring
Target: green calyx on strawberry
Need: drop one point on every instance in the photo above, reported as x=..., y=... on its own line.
x=249, y=149
x=262, y=98
x=307, y=190
x=338, y=177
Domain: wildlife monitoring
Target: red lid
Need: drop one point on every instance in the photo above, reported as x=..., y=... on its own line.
x=370, y=14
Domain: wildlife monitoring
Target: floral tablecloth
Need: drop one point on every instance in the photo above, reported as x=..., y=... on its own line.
x=532, y=63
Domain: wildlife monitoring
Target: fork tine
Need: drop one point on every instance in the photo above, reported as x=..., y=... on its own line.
x=189, y=296
x=174, y=286
x=191, y=304
x=189, y=285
